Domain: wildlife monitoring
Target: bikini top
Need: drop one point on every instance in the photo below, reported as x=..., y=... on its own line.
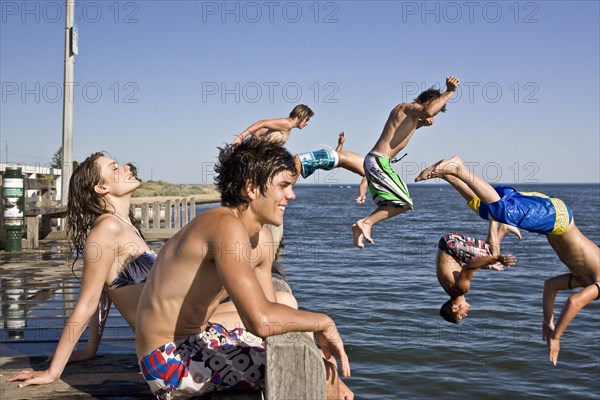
x=136, y=272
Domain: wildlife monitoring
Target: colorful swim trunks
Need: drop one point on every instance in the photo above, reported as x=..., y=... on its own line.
x=463, y=247
x=216, y=359
x=531, y=211
x=319, y=159
x=385, y=185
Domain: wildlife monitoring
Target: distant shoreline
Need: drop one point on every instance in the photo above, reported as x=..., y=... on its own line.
x=199, y=198
x=151, y=191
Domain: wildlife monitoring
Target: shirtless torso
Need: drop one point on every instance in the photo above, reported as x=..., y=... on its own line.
x=578, y=253
x=192, y=254
x=398, y=130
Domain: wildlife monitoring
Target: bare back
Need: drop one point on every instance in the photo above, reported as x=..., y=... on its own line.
x=580, y=255
x=397, y=132
x=277, y=130
x=278, y=136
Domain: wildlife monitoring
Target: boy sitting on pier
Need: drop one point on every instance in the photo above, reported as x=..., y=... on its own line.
x=224, y=252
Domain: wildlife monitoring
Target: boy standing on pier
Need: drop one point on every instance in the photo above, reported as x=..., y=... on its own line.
x=221, y=253
x=389, y=190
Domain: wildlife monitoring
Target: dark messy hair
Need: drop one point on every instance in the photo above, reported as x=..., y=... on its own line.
x=85, y=205
x=447, y=314
x=301, y=112
x=255, y=160
x=427, y=96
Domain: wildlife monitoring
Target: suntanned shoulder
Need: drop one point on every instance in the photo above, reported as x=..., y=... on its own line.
x=399, y=109
x=106, y=225
x=278, y=124
x=216, y=219
x=224, y=225
x=206, y=225
x=415, y=110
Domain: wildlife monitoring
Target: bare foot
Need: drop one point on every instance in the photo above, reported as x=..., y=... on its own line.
x=440, y=168
x=366, y=230
x=424, y=175
x=357, y=236
x=341, y=139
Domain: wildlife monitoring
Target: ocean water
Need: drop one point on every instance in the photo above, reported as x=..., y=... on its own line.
x=385, y=301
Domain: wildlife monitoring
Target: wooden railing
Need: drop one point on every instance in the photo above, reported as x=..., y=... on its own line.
x=172, y=213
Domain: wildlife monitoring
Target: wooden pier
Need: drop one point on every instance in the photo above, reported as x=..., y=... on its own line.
x=294, y=370
x=294, y=366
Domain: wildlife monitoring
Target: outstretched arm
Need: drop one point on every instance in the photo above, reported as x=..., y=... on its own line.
x=425, y=122
x=572, y=306
x=95, y=271
x=496, y=233
x=435, y=106
x=95, y=332
x=86, y=306
x=507, y=260
x=494, y=237
x=463, y=282
x=261, y=127
x=362, y=191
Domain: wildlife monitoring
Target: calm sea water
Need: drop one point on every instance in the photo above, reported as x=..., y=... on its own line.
x=385, y=300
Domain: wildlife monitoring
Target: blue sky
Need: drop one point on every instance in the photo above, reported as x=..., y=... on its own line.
x=163, y=83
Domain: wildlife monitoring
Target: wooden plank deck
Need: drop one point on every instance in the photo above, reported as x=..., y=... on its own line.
x=110, y=375
x=294, y=368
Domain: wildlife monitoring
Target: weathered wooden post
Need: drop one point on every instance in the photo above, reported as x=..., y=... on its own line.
x=177, y=213
x=145, y=220
x=168, y=215
x=156, y=216
x=184, y=212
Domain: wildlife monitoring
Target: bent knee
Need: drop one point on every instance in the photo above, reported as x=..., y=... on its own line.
x=287, y=299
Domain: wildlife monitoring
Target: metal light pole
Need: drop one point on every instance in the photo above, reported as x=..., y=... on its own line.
x=67, y=131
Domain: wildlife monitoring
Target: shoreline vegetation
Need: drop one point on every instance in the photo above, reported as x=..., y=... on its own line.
x=150, y=191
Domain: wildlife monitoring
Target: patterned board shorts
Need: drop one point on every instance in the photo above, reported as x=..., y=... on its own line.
x=311, y=161
x=463, y=247
x=385, y=185
x=216, y=359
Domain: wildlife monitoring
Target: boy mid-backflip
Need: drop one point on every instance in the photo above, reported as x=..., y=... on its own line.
x=539, y=213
